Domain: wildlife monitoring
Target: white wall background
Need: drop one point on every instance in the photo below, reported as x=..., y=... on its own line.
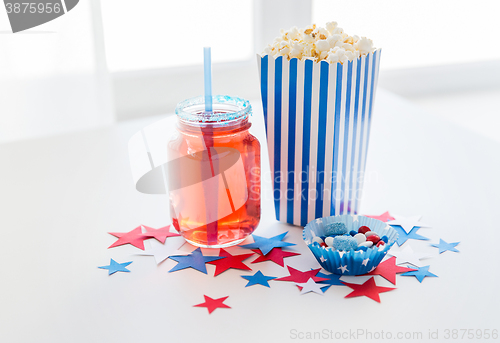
x=53, y=78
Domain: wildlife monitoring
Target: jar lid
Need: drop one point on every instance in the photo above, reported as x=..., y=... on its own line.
x=226, y=109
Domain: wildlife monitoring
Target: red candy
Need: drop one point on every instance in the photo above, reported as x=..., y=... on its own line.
x=324, y=245
x=363, y=229
x=373, y=238
x=380, y=243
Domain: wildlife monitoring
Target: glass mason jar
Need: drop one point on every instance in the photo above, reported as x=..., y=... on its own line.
x=214, y=174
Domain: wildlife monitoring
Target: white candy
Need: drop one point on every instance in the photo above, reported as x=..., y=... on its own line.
x=317, y=240
x=370, y=233
x=360, y=238
x=367, y=244
x=329, y=241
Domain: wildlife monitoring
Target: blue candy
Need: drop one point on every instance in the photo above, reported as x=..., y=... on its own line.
x=385, y=239
x=353, y=233
x=345, y=243
x=362, y=248
x=335, y=229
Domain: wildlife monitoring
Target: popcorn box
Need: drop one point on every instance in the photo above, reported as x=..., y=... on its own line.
x=317, y=119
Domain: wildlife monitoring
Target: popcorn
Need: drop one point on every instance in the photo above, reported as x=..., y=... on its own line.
x=329, y=43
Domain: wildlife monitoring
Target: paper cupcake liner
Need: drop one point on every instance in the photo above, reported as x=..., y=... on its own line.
x=317, y=119
x=351, y=262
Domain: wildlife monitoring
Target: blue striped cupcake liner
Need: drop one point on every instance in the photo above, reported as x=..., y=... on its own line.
x=352, y=262
x=317, y=118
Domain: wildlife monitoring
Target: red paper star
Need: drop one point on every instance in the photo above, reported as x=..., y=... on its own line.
x=385, y=217
x=134, y=237
x=230, y=261
x=388, y=270
x=212, y=304
x=301, y=277
x=160, y=234
x=368, y=289
x=276, y=255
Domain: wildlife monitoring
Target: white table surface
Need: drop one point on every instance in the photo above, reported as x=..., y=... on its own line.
x=59, y=197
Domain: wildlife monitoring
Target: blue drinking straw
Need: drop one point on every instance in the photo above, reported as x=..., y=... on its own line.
x=212, y=228
x=207, y=69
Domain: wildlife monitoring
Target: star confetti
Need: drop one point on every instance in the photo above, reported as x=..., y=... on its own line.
x=230, y=261
x=332, y=280
x=267, y=244
x=444, y=246
x=388, y=270
x=311, y=286
x=300, y=277
x=258, y=279
x=385, y=217
x=195, y=260
x=160, y=234
x=421, y=273
x=407, y=255
x=116, y=267
x=369, y=289
x=134, y=237
x=162, y=251
x=276, y=255
x=407, y=223
x=403, y=236
x=212, y=304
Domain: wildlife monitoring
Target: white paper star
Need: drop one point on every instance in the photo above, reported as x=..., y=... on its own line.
x=322, y=259
x=343, y=268
x=371, y=270
x=407, y=223
x=162, y=251
x=311, y=286
x=341, y=253
x=365, y=261
x=409, y=256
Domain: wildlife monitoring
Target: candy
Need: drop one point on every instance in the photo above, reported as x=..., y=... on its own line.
x=363, y=229
x=385, y=239
x=335, y=229
x=380, y=243
x=360, y=238
x=317, y=240
x=362, y=248
x=367, y=244
x=369, y=233
x=353, y=233
x=345, y=243
x=324, y=245
x=373, y=238
x=329, y=241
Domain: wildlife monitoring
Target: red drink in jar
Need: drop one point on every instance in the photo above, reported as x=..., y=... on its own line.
x=214, y=173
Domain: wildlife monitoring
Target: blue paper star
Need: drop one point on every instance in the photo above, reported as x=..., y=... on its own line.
x=267, y=244
x=195, y=260
x=403, y=236
x=420, y=273
x=333, y=280
x=443, y=246
x=116, y=267
x=258, y=278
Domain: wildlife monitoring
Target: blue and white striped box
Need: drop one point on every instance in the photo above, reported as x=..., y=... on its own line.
x=317, y=119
